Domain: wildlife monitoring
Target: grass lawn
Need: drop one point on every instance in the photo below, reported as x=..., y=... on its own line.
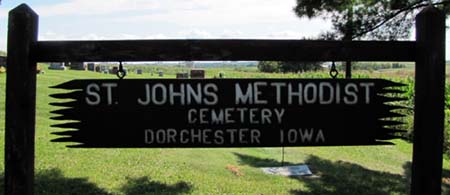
x=338, y=170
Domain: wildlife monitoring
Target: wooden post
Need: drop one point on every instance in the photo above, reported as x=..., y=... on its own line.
x=348, y=69
x=20, y=101
x=348, y=37
x=429, y=102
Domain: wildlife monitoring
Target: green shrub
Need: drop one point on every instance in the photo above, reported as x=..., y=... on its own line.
x=409, y=113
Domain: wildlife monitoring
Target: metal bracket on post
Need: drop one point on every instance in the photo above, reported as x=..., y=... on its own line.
x=429, y=102
x=20, y=108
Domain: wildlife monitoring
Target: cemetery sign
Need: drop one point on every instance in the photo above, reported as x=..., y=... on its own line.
x=25, y=51
x=227, y=112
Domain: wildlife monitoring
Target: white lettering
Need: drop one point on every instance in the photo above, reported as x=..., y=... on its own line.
x=109, y=87
x=278, y=86
x=191, y=93
x=322, y=86
x=242, y=98
x=90, y=92
x=163, y=92
x=366, y=87
x=298, y=93
x=351, y=93
x=257, y=92
x=310, y=93
x=210, y=90
x=148, y=136
x=147, y=95
x=174, y=94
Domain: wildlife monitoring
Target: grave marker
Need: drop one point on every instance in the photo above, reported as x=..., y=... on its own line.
x=114, y=70
x=197, y=74
x=77, y=66
x=57, y=66
x=91, y=66
x=182, y=76
x=2, y=60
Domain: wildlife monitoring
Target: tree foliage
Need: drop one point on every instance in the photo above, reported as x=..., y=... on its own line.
x=359, y=19
x=288, y=66
x=269, y=66
x=295, y=66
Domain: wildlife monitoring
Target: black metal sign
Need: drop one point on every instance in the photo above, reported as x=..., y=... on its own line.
x=226, y=112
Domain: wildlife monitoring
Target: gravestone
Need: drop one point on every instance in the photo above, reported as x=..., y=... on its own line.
x=103, y=69
x=182, y=75
x=160, y=73
x=91, y=66
x=77, y=66
x=114, y=70
x=197, y=74
x=139, y=71
x=295, y=170
x=2, y=60
x=57, y=66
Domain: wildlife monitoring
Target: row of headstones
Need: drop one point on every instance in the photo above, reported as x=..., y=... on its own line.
x=78, y=66
x=194, y=73
x=63, y=66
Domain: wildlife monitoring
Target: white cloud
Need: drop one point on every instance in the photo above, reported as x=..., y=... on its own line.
x=184, y=34
x=156, y=36
x=287, y=34
x=3, y=13
x=231, y=33
x=95, y=7
x=217, y=13
x=50, y=35
x=195, y=34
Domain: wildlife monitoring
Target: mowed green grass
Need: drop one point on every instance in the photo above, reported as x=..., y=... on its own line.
x=338, y=170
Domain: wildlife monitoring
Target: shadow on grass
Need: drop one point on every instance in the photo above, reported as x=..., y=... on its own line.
x=339, y=177
x=143, y=185
x=53, y=182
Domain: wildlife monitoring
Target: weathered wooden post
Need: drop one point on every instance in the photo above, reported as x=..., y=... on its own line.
x=20, y=101
x=429, y=102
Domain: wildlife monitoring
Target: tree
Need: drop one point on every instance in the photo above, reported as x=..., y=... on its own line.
x=288, y=66
x=269, y=66
x=296, y=66
x=360, y=19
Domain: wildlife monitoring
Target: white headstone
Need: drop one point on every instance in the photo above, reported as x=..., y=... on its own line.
x=57, y=66
x=297, y=170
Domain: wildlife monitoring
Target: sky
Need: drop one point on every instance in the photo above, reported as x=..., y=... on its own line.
x=167, y=19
